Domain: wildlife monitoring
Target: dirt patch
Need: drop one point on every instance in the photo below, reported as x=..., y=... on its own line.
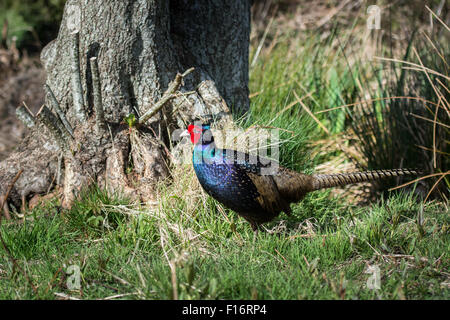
x=24, y=84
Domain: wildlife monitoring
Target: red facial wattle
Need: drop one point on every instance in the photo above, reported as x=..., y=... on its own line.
x=195, y=132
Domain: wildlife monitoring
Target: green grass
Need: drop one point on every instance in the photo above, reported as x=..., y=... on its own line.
x=32, y=23
x=295, y=69
x=332, y=70
x=398, y=132
x=320, y=253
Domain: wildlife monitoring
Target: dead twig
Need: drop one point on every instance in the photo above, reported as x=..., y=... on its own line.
x=168, y=95
x=121, y=281
x=120, y=295
x=65, y=296
x=8, y=191
x=53, y=280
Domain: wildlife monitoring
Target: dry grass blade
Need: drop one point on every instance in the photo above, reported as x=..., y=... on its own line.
x=437, y=18
x=310, y=113
x=414, y=65
x=65, y=296
x=437, y=107
x=261, y=43
x=290, y=105
x=429, y=120
x=121, y=295
x=53, y=280
x=430, y=149
x=377, y=99
x=122, y=281
x=443, y=86
x=419, y=179
x=434, y=186
x=278, y=252
x=435, y=48
x=429, y=71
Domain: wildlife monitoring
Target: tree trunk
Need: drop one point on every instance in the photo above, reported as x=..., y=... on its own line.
x=139, y=47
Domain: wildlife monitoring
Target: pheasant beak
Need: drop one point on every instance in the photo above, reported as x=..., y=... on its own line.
x=185, y=133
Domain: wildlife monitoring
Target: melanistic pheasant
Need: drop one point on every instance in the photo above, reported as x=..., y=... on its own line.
x=259, y=198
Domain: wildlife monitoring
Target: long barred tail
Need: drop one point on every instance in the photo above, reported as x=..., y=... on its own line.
x=322, y=181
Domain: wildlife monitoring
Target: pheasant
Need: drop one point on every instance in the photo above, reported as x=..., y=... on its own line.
x=230, y=178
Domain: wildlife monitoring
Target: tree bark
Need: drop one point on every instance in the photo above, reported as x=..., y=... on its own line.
x=139, y=47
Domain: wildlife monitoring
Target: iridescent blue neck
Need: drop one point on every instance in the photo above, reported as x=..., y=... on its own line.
x=203, y=152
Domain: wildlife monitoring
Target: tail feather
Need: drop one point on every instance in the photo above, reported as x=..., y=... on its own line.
x=322, y=181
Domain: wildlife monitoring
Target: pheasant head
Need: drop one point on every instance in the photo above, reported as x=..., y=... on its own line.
x=200, y=134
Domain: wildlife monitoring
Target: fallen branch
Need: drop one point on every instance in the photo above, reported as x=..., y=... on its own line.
x=168, y=95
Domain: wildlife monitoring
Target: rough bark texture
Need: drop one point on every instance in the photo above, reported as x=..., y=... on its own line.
x=217, y=42
x=140, y=46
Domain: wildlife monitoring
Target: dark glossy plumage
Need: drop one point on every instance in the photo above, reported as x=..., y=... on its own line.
x=230, y=178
